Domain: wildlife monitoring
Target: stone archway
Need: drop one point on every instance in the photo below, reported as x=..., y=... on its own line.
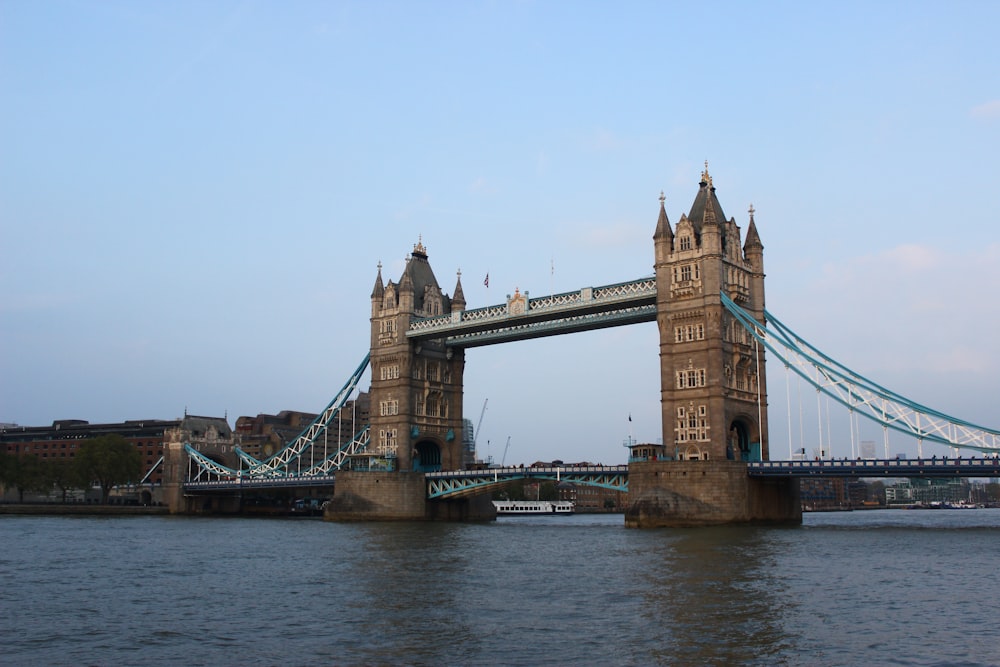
x=426, y=456
x=738, y=441
x=692, y=453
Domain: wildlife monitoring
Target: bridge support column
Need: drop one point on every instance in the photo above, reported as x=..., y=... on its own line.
x=705, y=493
x=398, y=496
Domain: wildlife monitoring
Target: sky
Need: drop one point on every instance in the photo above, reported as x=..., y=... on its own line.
x=195, y=197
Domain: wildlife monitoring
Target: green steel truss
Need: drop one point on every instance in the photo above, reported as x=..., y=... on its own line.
x=442, y=485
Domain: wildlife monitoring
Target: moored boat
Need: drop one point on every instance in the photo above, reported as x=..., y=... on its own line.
x=517, y=507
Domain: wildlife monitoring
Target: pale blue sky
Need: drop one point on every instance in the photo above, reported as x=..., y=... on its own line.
x=194, y=196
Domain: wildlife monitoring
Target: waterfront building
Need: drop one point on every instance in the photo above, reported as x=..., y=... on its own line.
x=63, y=438
x=921, y=490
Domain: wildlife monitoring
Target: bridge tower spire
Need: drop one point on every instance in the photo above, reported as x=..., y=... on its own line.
x=712, y=389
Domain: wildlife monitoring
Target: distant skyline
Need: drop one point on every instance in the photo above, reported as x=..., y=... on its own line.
x=195, y=197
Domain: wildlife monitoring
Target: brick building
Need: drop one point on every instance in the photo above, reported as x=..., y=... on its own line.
x=63, y=438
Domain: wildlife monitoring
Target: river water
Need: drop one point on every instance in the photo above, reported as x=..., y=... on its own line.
x=849, y=588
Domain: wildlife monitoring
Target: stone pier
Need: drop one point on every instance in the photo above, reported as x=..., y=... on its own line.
x=399, y=496
x=700, y=493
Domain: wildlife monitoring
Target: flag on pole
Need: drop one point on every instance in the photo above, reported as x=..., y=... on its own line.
x=486, y=281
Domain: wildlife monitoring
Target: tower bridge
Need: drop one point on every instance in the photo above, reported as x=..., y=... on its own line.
x=707, y=298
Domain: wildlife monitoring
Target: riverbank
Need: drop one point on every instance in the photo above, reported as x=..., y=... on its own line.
x=80, y=509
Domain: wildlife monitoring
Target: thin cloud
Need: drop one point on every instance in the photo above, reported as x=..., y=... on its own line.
x=908, y=294
x=605, y=140
x=912, y=257
x=986, y=111
x=481, y=186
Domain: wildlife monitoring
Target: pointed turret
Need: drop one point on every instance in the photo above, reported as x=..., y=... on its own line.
x=753, y=239
x=458, y=300
x=706, y=206
x=709, y=228
x=663, y=237
x=379, y=291
x=663, y=229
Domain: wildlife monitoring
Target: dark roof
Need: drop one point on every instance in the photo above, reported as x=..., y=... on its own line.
x=418, y=275
x=705, y=201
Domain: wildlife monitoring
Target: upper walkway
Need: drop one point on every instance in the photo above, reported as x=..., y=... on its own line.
x=522, y=318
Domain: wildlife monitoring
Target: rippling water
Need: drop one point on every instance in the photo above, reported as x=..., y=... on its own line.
x=852, y=588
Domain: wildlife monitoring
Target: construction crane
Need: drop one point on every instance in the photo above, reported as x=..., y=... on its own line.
x=475, y=434
x=504, y=459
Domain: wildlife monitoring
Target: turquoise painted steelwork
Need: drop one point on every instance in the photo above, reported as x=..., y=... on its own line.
x=859, y=394
x=281, y=464
x=471, y=482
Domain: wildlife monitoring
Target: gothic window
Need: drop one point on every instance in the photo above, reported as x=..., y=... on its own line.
x=692, y=424
x=389, y=408
x=689, y=333
x=432, y=371
x=686, y=273
x=387, y=440
x=390, y=372
x=691, y=378
x=418, y=404
x=685, y=242
x=433, y=408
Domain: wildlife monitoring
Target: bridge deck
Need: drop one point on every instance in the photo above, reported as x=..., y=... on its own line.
x=456, y=483
x=936, y=467
x=469, y=482
x=251, y=483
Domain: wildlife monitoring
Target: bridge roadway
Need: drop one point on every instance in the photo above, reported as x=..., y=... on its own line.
x=932, y=467
x=237, y=484
x=458, y=483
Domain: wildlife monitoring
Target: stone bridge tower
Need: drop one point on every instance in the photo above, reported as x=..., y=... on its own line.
x=713, y=392
x=416, y=409
x=713, y=387
x=416, y=389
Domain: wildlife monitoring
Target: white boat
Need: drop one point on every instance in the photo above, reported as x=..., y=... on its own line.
x=508, y=507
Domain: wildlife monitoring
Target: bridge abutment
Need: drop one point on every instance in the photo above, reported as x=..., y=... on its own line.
x=399, y=496
x=704, y=493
